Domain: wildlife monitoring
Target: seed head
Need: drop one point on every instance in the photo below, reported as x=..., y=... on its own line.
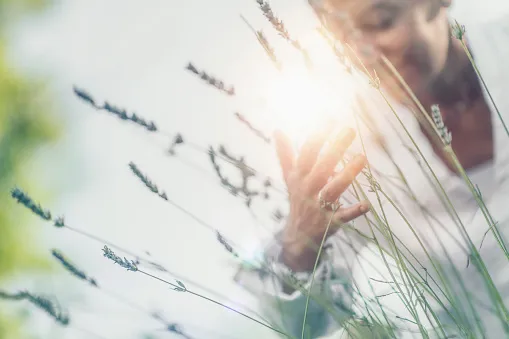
x=50, y=306
x=458, y=31
x=23, y=198
x=71, y=268
x=128, y=265
x=445, y=135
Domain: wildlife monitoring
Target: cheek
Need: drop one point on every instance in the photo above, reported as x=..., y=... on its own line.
x=438, y=39
x=434, y=36
x=409, y=53
x=396, y=44
x=407, y=49
x=393, y=42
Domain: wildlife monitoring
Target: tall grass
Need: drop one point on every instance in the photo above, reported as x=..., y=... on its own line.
x=425, y=286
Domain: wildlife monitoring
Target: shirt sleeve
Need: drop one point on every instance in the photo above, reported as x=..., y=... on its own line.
x=330, y=304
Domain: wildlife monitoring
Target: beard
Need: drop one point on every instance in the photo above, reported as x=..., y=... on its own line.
x=457, y=82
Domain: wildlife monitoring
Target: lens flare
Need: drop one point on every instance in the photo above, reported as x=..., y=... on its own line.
x=299, y=100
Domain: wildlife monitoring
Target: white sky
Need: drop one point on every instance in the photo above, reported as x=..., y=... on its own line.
x=133, y=54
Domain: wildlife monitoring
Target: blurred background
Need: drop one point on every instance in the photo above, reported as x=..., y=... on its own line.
x=74, y=159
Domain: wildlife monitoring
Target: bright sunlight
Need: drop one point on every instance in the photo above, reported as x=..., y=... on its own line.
x=300, y=98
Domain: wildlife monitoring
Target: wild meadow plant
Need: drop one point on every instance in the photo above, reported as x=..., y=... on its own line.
x=424, y=290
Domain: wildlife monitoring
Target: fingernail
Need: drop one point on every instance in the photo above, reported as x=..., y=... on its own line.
x=364, y=208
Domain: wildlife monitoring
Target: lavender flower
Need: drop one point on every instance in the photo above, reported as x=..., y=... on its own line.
x=253, y=129
x=281, y=29
x=445, y=135
x=153, y=187
x=128, y=265
x=119, y=112
x=457, y=30
x=269, y=50
x=85, y=96
x=246, y=172
x=226, y=245
x=59, y=222
x=71, y=268
x=51, y=307
x=23, y=198
x=275, y=21
x=211, y=80
x=181, y=287
x=177, y=140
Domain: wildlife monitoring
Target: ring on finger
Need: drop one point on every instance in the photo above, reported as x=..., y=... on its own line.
x=328, y=205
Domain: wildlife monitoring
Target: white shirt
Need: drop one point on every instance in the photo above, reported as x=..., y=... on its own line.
x=353, y=267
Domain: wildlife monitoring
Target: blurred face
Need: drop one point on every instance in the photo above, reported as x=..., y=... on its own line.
x=412, y=34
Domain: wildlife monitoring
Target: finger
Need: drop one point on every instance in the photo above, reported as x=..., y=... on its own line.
x=311, y=149
x=285, y=153
x=347, y=214
x=340, y=182
x=324, y=167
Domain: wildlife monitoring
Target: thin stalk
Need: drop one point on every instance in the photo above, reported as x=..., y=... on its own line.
x=357, y=257
x=430, y=258
x=376, y=83
x=490, y=285
x=401, y=294
x=444, y=193
x=126, y=251
x=413, y=196
x=213, y=301
x=314, y=271
x=480, y=201
x=449, y=150
x=474, y=64
x=400, y=262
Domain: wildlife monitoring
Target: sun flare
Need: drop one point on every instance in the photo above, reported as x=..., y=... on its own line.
x=299, y=99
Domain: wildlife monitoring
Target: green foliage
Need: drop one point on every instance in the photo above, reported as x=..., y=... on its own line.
x=26, y=123
x=11, y=10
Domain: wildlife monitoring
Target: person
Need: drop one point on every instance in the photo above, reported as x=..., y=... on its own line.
x=415, y=191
